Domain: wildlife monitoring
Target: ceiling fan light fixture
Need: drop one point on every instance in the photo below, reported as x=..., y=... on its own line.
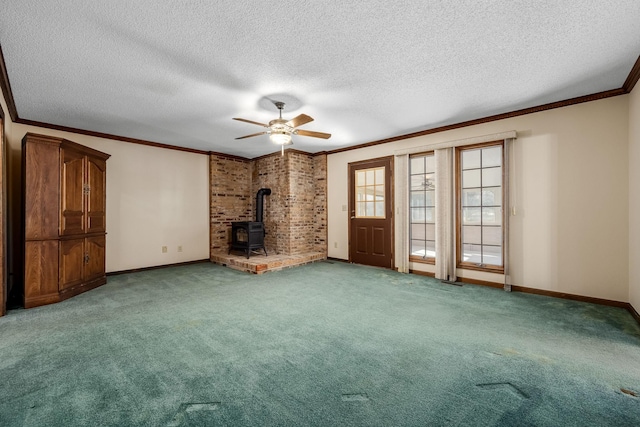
x=280, y=138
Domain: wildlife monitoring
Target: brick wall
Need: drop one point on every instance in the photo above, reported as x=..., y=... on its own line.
x=273, y=172
x=295, y=215
x=320, y=203
x=230, y=182
x=300, y=202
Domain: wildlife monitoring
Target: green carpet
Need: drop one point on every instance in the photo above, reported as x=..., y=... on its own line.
x=326, y=344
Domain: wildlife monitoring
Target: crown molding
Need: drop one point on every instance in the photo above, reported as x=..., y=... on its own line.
x=108, y=136
x=6, y=88
x=229, y=156
x=530, y=110
x=633, y=77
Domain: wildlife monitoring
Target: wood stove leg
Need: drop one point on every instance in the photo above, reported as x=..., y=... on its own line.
x=265, y=251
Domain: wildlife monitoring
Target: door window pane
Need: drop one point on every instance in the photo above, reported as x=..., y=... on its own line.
x=418, y=248
x=471, y=216
x=471, y=197
x=422, y=218
x=379, y=209
x=491, y=216
x=417, y=215
x=480, y=206
x=492, y=235
x=472, y=234
x=417, y=165
x=471, y=178
x=417, y=198
x=491, y=177
x=430, y=230
x=491, y=157
x=472, y=253
x=418, y=231
x=370, y=193
x=369, y=209
x=470, y=159
x=492, y=255
x=430, y=249
x=492, y=196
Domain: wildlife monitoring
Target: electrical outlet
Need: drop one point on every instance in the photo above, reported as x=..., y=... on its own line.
x=180, y=248
x=344, y=208
x=164, y=249
x=335, y=244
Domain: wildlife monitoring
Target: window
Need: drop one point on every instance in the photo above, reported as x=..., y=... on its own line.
x=370, y=201
x=422, y=221
x=479, y=201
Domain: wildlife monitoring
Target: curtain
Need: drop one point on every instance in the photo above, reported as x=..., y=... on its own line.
x=508, y=142
x=445, y=255
x=402, y=213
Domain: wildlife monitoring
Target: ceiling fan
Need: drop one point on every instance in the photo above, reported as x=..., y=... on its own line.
x=280, y=130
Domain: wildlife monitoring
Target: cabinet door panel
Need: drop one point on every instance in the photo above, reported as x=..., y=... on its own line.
x=41, y=177
x=72, y=259
x=72, y=197
x=97, y=180
x=95, y=267
x=41, y=270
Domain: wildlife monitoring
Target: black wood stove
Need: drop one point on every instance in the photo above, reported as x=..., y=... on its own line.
x=248, y=236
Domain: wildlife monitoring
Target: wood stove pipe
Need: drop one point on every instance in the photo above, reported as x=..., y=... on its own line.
x=259, y=202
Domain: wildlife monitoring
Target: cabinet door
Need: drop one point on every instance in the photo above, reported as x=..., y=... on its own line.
x=72, y=193
x=96, y=200
x=40, y=272
x=72, y=260
x=95, y=261
x=41, y=169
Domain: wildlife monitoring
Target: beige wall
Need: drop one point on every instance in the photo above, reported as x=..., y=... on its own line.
x=634, y=198
x=570, y=191
x=155, y=197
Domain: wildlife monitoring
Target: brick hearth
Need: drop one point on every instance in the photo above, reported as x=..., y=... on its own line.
x=259, y=263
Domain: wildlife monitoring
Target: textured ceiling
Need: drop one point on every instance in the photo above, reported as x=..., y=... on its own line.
x=177, y=72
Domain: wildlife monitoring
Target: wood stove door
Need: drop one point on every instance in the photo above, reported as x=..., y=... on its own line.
x=371, y=209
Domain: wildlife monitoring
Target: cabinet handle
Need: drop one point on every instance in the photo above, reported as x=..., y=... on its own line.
x=86, y=258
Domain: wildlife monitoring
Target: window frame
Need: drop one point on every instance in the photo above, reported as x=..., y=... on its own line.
x=460, y=263
x=415, y=258
x=375, y=201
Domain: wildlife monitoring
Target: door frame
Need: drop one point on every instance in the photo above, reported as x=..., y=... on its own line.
x=351, y=202
x=3, y=215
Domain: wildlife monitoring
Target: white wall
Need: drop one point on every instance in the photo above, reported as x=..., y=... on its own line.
x=570, y=232
x=155, y=197
x=634, y=198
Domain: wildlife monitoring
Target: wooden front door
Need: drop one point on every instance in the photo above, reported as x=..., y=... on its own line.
x=371, y=212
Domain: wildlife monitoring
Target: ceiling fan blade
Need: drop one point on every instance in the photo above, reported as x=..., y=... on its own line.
x=249, y=136
x=250, y=121
x=299, y=121
x=313, y=134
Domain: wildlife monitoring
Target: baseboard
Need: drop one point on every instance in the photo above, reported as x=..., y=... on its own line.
x=480, y=282
x=155, y=267
x=633, y=312
x=574, y=297
x=422, y=273
x=554, y=294
x=337, y=259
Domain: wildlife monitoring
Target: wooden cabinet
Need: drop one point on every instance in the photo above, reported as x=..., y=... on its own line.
x=64, y=193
